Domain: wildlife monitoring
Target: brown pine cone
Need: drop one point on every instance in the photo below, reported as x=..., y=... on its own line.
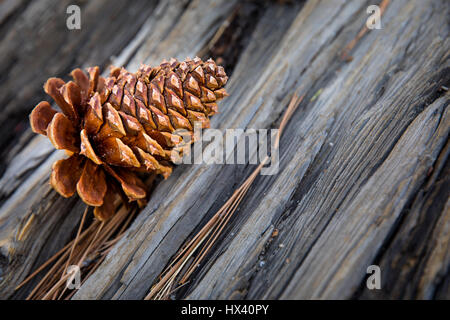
x=117, y=127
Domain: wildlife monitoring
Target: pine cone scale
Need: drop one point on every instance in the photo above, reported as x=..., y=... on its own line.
x=41, y=116
x=124, y=125
x=91, y=186
x=65, y=175
x=62, y=134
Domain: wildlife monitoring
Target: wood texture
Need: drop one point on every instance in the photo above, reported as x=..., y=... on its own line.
x=351, y=191
x=36, y=44
x=363, y=170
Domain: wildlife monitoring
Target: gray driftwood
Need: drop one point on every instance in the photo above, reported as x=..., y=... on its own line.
x=364, y=173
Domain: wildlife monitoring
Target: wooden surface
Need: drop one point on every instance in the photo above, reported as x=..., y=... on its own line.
x=364, y=171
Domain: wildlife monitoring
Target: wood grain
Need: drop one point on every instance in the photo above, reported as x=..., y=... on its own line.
x=363, y=173
x=36, y=44
x=348, y=198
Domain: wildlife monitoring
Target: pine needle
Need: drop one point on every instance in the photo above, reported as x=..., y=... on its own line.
x=87, y=251
x=90, y=247
x=208, y=235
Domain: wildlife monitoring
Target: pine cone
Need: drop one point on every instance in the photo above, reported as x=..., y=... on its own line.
x=117, y=128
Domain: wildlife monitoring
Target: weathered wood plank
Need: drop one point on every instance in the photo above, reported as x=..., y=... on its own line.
x=34, y=220
x=350, y=183
x=8, y=9
x=180, y=203
x=25, y=192
x=24, y=185
x=355, y=160
x=415, y=261
x=25, y=196
x=363, y=224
